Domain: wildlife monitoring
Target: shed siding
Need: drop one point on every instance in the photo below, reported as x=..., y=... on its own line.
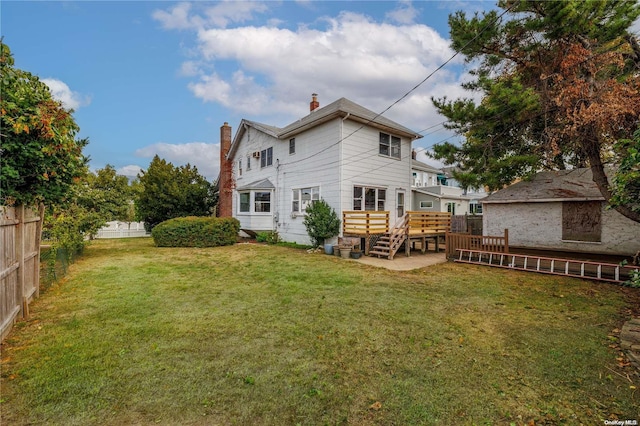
x=539, y=225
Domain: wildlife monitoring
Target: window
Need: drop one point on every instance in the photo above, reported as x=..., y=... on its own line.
x=292, y=146
x=400, y=204
x=266, y=157
x=240, y=167
x=248, y=162
x=368, y=198
x=303, y=197
x=475, y=207
x=262, y=202
x=245, y=203
x=426, y=204
x=451, y=208
x=389, y=145
x=581, y=221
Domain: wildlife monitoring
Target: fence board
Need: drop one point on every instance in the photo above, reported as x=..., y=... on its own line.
x=20, y=230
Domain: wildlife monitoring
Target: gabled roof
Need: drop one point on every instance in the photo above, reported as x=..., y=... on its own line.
x=562, y=185
x=419, y=165
x=259, y=184
x=242, y=128
x=343, y=107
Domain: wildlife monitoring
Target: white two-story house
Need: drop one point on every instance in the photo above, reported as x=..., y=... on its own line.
x=343, y=153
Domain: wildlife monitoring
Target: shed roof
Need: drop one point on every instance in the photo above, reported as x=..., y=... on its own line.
x=562, y=185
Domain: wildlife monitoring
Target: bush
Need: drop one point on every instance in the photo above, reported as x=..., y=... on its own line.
x=321, y=222
x=269, y=237
x=196, y=232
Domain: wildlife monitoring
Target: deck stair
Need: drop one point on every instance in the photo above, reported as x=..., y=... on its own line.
x=390, y=242
x=600, y=271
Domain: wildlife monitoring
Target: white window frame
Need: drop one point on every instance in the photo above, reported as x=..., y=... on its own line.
x=299, y=200
x=248, y=162
x=240, y=167
x=475, y=207
x=390, y=146
x=362, y=199
x=253, y=204
x=292, y=146
x=425, y=204
x=266, y=157
x=247, y=202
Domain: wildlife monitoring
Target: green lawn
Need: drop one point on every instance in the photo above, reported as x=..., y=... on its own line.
x=266, y=335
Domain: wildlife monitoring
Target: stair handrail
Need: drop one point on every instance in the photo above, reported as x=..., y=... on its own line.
x=398, y=234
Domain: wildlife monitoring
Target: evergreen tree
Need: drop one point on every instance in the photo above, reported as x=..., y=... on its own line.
x=560, y=89
x=168, y=192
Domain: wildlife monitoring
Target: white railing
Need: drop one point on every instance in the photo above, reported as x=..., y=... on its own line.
x=121, y=233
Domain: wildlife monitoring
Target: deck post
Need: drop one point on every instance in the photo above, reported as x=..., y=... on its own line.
x=506, y=240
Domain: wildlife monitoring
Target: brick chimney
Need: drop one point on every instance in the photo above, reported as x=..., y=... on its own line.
x=314, y=104
x=225, y=195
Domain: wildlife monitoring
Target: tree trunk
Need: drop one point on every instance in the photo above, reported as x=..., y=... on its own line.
x=601, y=180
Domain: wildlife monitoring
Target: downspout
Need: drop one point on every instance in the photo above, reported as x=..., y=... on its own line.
x=276, y=217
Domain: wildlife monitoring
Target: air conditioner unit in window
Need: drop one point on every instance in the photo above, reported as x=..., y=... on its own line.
x=256, y=154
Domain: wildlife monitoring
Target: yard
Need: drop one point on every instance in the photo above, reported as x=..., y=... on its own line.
x=265, y=335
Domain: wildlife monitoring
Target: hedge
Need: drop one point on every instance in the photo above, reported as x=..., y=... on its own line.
x=196, y=232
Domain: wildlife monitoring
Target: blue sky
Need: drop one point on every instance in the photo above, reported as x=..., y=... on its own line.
x=148, y=78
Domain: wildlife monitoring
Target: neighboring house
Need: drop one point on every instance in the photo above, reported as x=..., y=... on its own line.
x=343, y=153
x=433, y=190
x=561, y=210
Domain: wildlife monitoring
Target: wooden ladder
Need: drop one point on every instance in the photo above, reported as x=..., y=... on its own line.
x=600, y=271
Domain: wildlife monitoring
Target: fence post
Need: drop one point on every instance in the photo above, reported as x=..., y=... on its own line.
x=38, y=240
x=20, y=241
x=506, y=240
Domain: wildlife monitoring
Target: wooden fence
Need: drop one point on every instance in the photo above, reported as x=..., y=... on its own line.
x=20, y=232
x=471, y=224
x=456, y=241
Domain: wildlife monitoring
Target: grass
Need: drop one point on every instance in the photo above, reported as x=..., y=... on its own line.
x=268, y=335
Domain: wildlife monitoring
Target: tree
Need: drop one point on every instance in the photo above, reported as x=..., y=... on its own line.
x=107, y=194
x=321, y=222
x=39, y=155
x=168, y=192
x=560, y=88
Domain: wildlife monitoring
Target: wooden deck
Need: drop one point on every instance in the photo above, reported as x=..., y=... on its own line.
x=412, y=228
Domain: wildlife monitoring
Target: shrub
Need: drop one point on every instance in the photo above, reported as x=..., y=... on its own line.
x=196, y=232
x=269, y=237
x=321, y=222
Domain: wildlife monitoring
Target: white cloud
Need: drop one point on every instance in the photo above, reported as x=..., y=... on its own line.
x=279, y=68
x=205, y=156
x=405, y=13
x=220, y=15
x=268, y=72
x=178, y=18
x=130, y=170
x=61, y=92
x=635, y=28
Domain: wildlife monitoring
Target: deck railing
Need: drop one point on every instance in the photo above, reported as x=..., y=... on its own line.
x=359, y=223
x=428, y=223
x=494, y=244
